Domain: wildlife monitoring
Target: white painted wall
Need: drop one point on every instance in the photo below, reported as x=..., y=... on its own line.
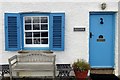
x=59, y=0
x=76, y=14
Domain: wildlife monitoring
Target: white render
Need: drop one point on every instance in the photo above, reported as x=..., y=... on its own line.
x=76, y=14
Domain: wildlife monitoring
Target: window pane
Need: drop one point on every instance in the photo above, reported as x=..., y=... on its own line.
x=44, y=41
x=36, y=40
x=28, y=27
x=36, y=27
x=44, y=26
x=27, y=19
x=36, y=31
x=28, y=34
x=35, y=19
x=28, y=41
x=44, y=34
x=36, y=34
x=44, y=20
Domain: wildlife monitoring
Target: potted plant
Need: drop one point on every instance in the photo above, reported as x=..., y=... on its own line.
x=81, y=68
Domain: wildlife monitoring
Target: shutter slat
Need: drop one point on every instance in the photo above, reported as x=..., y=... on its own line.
x=12, y=31
x=57, y=31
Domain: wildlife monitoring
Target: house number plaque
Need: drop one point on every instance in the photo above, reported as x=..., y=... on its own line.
x=79, y=29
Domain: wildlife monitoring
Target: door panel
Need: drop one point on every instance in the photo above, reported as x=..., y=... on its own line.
x=102, y=40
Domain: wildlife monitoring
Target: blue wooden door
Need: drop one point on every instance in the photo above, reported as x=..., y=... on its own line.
x=101, y=41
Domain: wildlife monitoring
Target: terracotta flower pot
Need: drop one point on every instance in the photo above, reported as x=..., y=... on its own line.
x=81, y=75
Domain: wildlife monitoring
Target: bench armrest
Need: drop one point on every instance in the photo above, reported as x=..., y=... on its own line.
x=12, y=60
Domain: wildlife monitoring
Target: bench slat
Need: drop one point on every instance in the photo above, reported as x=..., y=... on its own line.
x=34, y=67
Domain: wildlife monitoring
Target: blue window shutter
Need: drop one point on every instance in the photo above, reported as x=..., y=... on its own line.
x=57, y=22
x=12, y=31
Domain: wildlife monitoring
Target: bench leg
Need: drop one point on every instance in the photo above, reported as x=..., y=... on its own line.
x=54, y=75
x=10, y=75
x=17, y=73
x=10, y=78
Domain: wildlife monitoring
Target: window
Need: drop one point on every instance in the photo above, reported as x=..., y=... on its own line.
x=34, y=31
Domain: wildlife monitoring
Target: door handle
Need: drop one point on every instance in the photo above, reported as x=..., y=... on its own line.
x=91, y=35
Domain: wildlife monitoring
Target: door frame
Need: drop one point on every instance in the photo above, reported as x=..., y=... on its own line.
x=114, y=33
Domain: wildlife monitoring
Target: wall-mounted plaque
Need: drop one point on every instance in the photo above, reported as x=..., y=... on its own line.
x=100, y=40
x=79, y=29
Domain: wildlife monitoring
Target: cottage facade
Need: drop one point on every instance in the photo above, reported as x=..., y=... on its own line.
x=71, y=29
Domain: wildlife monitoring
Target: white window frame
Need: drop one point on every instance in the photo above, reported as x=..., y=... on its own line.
x=35, y=45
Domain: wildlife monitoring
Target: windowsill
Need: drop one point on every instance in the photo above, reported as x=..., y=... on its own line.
x=36, y=48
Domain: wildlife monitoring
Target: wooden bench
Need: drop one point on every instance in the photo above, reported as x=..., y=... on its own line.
x=32, y=62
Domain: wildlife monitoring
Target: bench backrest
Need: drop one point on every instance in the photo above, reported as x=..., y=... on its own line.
x=36, y=58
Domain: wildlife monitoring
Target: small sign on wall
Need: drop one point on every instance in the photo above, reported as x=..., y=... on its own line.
x=79, y=29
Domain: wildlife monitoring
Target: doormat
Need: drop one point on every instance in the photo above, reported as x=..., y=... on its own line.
x=103, y=77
